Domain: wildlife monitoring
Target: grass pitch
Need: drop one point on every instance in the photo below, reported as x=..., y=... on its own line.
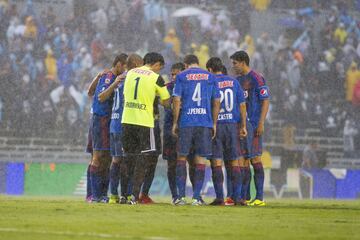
x=71, y=218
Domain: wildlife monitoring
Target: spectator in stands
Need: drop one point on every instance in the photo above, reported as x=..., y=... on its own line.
x=340, y=34
x=350, y=131
x=309, y=157
x=174, y=41
x=352, y=76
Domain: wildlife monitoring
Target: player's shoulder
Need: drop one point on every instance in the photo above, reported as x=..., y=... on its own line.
x=257, y=77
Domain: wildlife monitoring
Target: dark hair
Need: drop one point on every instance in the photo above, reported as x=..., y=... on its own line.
x=191, y=59
x=241, y=56
x=122, y=58
x=215, y=64
x=224, y=70
x=179, y=65
x=153, y=57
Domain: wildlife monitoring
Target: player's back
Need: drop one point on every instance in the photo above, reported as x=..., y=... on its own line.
x=231, y=96
x=103, y=108
x=139, y=95
x=196, y=88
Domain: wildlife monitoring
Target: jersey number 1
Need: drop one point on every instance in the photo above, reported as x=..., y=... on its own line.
x=136, y=87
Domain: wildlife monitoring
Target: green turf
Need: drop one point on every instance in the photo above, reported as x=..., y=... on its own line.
x=67, y=218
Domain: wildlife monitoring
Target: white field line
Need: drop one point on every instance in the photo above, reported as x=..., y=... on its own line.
x=79, y=234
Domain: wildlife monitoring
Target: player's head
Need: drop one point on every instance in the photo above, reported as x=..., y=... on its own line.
x=224, y=70
x=119, y=63
x=214, y=65
x=190, y=59
x=240, y=61
x=176, y=68
x=134, y=61
x=155, y=61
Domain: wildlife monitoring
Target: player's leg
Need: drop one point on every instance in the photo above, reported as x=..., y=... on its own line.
x=218, y=181
x=203, y=148
x=151, y=161
x=150, y=167
x=184, y=145
x=216, y=166
x=89, y=149
x=229, y=199
x=258, y=171
x=99, y=169
x=246, y=151
x=116, y=153
x=169, y=154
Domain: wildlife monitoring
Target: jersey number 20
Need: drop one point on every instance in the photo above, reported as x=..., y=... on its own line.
x=228, y=96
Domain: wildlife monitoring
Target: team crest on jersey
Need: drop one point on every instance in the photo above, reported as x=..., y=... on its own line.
x=107, y=81
x=263, y=92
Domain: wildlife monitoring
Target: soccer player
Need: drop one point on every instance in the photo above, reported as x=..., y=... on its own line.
x=140, y=89
x=117, y=164
x=89, y=147
x=169, y=141
x=197, y=93
x=102, y=105
x=231, y=125
x=257, y=105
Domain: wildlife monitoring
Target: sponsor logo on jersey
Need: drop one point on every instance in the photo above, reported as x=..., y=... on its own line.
x=107, y=81
x=246, y=94
x=225, y=84
x=197, y=77
x=263, y=92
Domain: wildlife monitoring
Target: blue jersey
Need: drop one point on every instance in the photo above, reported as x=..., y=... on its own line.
x=118, y=105
x=196, y=88
x=168, y=118
x=103, y=108
x=256, y=90
x=232, y=96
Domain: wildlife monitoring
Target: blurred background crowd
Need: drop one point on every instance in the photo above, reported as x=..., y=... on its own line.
x=48, y=57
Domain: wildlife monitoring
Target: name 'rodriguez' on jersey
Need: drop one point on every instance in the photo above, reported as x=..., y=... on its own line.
x=196, y=88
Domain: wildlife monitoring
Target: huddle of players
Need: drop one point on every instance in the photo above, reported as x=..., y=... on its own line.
x=213, y=116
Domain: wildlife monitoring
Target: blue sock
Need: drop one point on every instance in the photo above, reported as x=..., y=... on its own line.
x=236, y=182
x=149, y=174
x=218, y=180
x=245, y=182
x=199, y=176
x=181, y=177
x=171, y=175
x=259, y=180
x=229, y=186
x=95, y=176
x=88, y=183
x=114, y=178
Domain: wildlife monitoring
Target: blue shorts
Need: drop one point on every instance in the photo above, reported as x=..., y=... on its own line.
x=251, y=146
x=116, y=147
x=101, y=133
x=226, y=145
x=89, y=146
x=197, y=139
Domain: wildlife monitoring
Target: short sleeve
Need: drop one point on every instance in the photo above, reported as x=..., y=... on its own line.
x=177, y=92
x=261, y=88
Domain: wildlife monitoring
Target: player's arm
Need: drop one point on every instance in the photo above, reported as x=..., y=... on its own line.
x=163, y=93
x=106, y=94
x=215, y=105
x=176, y=112
x=94, y=82
x=264, y=110
x=243, y=131
x=215, y=113
x=176, y=104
